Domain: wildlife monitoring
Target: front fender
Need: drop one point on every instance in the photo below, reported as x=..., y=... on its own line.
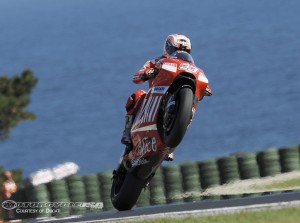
x=183, y=80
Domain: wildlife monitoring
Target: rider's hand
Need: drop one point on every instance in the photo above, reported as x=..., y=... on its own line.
x=151, y=73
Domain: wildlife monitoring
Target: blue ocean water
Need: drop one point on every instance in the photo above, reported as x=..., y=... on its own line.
x=85, y=52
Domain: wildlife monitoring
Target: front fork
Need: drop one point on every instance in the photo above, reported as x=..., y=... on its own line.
x=194, y=108
x=123, y=164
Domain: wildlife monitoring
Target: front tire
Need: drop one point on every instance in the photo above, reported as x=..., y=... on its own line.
x=126, y=190
x=178, y=117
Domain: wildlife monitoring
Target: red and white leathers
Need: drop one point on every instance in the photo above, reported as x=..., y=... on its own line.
x=145, y=73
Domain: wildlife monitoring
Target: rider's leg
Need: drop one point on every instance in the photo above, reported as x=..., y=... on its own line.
x=126, y=137
x=132, y=106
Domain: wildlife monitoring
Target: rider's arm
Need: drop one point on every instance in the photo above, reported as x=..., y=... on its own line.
x=147, y=72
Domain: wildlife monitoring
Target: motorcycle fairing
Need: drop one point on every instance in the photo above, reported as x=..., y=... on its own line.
x=174, y=73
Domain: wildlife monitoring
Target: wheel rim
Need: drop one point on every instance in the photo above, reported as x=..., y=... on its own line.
x=170, y=114
x=177, y=119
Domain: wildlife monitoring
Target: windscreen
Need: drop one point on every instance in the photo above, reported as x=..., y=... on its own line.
x=182, y=55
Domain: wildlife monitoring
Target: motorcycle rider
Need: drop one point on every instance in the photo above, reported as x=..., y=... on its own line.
x=174, y=42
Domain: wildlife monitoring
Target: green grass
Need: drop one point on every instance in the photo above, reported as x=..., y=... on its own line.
x=293, y=183
x=284, y=215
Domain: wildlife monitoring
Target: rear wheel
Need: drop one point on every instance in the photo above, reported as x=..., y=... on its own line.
x=177, y=116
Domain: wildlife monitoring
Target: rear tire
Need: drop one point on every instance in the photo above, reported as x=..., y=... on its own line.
x=175, y=125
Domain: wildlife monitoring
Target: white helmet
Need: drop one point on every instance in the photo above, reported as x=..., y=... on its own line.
x=176, y=42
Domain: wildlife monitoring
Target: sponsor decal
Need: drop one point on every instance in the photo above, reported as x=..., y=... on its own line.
x=146, y=145
x=160, y=89
x=138, y=162
x=188, y=68
x=170, y=67
x=148, y=110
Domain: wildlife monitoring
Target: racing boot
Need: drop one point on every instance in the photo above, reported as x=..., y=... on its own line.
x=126, y=137
x=169, y=157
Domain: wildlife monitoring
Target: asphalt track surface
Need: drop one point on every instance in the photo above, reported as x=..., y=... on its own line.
x=203, y=207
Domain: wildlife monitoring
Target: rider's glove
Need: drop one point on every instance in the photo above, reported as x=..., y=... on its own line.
x=151, y=73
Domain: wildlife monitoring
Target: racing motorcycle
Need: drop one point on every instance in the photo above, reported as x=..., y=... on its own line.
x=159, y=126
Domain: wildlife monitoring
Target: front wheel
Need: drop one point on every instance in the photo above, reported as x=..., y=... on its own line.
x=177, y=117
x=125, y=191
